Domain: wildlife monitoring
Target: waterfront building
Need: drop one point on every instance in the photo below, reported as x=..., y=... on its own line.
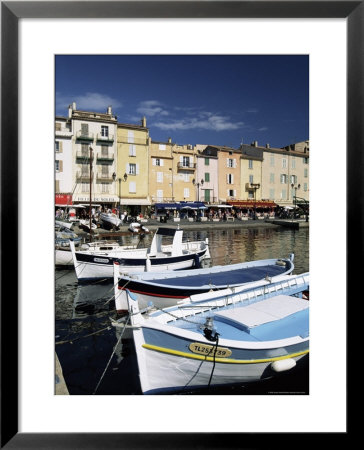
x=161, y=175
x=132, y=172
x=251, y=174
x=228, y=167
x=93, y=143
x=207, y=174
x=285, y=171
x=185, y=184
x=63, y=161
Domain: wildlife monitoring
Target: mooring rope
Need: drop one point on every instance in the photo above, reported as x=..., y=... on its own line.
x=112, y=355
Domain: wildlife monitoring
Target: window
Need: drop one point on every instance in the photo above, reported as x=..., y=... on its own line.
x=207, y=195
x=284, y=194
x=104, y=131
x=272, y=160
x=160, y=194
x=284, y=163
x=85, y=170
x=162, y=146
x=132, y=150
x=104, y=188
x=104, y=151
x=271, y=178
x=57, y=165
x=132, y=187
x=159, y=177
x=158, y=162
x=84, y=129
x=271, y=194
x=186, y=177
x=293, y=162
x=230, y=162
x=84, y=150
x=251, y=179
x=305, y=173
x=85, y=187
x=105, y=171
x=207, y=161
x=230, y=178
x=283, y=179
x=293, y=179
x=132, y=169
x=131, y=137
x=250, y=163
x=207, y=177
x=57, y=146
x=250, y=194
x=186, y=161
x=305, y=160
x=305, y=187
x=231, y=192
x=58, y=126
x=186, y=193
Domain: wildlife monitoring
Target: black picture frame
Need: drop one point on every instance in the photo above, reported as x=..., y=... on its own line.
x=11, y=12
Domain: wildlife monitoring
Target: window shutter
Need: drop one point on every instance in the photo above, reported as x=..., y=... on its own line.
x=227, y=162
x=57, y=185
x=154, y=161
x=181, y=159
x=60, y=148
x=234, y=162
x=232, y=178
x=137, y=169
x=161, y=162
x=227, y=178
x=127, y=168
x=60, y=166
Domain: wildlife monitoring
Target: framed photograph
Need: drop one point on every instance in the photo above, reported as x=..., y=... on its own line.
x=330, y=33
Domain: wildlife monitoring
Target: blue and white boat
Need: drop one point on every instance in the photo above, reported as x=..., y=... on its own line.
x=158, y=257
x=166, y=289
x=228, y=337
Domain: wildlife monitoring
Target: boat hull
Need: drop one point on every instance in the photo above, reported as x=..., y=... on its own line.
x=165, y=371
x=99, y=266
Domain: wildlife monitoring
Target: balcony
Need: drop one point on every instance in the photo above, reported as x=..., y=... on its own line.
x=83, y=177
x=208, y=200
x=102, y=138
x=105, y=158
x=84, y=135
x=185, y=166
x=104, y=178
x=83, y=156
x=63, y=132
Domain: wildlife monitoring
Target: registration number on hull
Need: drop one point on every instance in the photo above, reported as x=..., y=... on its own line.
x=209, y=350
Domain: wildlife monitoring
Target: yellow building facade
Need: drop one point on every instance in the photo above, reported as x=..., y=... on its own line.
x=161, y=171
x=184, y=173
x=132, y=174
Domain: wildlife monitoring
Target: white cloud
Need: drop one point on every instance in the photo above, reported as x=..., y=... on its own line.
x=204, y=121
x=151, y=108
x=90, y=101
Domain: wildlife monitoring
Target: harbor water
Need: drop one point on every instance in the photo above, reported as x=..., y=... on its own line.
x=85, y=339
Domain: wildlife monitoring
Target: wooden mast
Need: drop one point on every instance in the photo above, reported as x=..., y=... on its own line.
x=90, y=213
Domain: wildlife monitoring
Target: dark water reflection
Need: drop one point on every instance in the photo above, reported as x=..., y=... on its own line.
x=85, y=338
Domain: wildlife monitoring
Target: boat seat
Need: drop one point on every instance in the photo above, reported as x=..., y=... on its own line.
x=261, y=312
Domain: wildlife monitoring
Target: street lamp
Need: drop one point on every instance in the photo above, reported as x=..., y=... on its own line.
x=125, y=177
x=198, y=187
x=255, y=186
x=294, y=198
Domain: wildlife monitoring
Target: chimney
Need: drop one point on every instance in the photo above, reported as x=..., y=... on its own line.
x=71, y=108
x=144, y=122
x=109, y=110
x=267, y=145
x=254, y=144
x=169, y=140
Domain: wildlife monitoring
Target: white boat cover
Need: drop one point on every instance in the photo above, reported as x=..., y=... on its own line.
x=269, y=310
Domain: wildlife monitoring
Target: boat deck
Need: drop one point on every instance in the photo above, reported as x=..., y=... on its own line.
x=275, y=318
x=224, y=278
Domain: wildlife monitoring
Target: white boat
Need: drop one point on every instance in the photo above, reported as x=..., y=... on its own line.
x=64, y=223
x=159, y=257
x=110, y=220
x=228, y=337
x=167, y=288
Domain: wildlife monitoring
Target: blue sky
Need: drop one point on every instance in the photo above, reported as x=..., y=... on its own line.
x=194, y=99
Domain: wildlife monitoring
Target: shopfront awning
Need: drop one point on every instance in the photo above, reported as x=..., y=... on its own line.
x=252, y=204
x=135, y=201
x=180, y=205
